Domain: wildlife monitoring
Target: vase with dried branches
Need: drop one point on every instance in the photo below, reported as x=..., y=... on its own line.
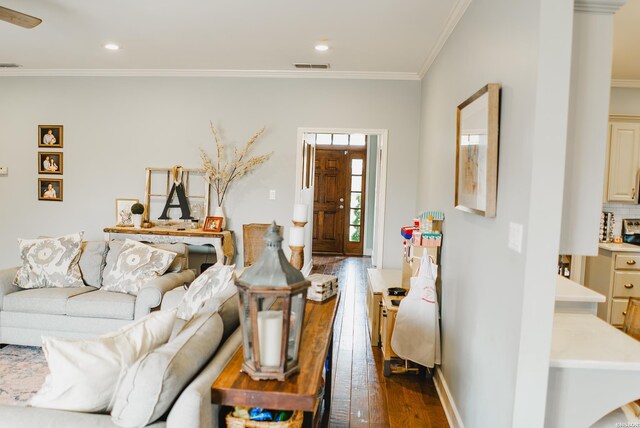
x=221, y=172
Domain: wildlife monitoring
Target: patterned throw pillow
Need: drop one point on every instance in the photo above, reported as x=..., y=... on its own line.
x=50, y=262
x=136, y=265
x=204, y=289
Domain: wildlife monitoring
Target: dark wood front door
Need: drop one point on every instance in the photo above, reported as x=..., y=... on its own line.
x=328, y=216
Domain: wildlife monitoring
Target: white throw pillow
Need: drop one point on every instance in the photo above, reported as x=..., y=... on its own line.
x=211, y=283
x=136, y=265
x=84, y=374
x=50, y=262
x=153, y=383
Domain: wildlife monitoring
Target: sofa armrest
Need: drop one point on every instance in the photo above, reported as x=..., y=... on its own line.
x=193, y=407
x=36, y=417
x=6, y=283
x=150, y=295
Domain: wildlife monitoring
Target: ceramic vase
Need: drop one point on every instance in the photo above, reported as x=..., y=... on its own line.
x=219, y=212
x=137, y=220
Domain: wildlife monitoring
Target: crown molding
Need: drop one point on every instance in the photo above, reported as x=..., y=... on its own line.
x=454, y=17
x=625, y=83
x=598, y=6
x=288, y=74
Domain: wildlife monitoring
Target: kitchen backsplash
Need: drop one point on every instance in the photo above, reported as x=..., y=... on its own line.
x=621, y=211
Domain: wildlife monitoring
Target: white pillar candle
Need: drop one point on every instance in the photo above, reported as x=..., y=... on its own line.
x=270, y=336
x=296, y=236
x=300, y=213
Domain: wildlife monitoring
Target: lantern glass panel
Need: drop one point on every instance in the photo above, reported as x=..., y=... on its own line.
x=295, y=329
x=245, y=324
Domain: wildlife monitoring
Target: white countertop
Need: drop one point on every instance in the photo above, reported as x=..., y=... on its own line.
x=571, y=291
x=623, y=247
x=586, y=342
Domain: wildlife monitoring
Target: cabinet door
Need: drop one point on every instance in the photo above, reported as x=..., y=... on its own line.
x=623, y=162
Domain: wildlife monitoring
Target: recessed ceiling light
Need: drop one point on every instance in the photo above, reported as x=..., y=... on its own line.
x=111, y=46
x=322, y=47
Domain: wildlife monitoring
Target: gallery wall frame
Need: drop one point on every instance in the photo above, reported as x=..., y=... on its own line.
x=50, y=162
x=50, y=189
x=50, y=136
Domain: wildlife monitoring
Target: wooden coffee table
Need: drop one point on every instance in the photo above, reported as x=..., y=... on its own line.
x=298, y=392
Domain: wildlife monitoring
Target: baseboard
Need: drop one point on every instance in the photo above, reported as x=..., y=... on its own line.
x=306, y=270
x=450, y=409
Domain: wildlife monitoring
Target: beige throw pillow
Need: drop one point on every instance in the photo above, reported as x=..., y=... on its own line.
x=153, y=383
x=50, y=262
x=84, y=374
x=136, y=265
x=210, y=284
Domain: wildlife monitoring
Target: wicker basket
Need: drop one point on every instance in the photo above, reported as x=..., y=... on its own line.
x=295, y=421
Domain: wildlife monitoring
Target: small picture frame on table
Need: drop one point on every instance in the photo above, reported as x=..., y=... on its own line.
x=124, y=217
x=50, y=136
x=212, y=224
x=50, y=162
x=50, y=189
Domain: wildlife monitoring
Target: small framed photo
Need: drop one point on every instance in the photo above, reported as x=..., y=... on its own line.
x=50, y=136
x=212, y=224
x=124, y=217
x=50, y=189
x=50, y=162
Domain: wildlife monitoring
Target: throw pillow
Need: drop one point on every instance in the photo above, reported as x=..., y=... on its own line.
x=50, y=262
x=136, y=265
x=178, y=264
x=84, y=374
x=211, y=283
x=153, y=383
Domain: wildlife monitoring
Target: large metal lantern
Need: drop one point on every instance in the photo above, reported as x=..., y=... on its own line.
x=272, y=300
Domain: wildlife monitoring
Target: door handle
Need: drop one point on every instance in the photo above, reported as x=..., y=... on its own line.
x=341, y=206
x=631, y=262
x=628, y=286
x=341, y=199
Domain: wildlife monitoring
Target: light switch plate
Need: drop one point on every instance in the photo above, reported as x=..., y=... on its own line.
x=272, y=195
x=4, y=170
x=515, y=237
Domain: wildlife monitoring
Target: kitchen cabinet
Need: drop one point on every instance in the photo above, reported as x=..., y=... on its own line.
x=616, y=275
x=623, y=160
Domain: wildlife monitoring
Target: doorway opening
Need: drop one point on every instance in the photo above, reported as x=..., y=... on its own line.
x=341, y=175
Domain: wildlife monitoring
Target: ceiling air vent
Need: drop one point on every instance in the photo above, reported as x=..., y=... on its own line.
x=307, y=66
x=8, y=65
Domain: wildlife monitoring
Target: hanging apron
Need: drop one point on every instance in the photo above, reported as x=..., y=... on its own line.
x=416, y=334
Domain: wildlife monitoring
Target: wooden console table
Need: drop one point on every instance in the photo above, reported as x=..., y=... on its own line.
x=300, y=391
x=159, y=235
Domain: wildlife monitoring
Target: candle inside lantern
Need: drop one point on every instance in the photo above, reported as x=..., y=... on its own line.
x=300, y=213
x=296, y=236
x=270, y=336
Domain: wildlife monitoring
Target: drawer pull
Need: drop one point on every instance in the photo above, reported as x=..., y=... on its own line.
x=631, y=262
x=628, y=286
x=624, y=313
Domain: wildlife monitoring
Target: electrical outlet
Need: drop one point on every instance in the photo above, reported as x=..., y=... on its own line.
x=4, y=170
x=515, y=237
x=272, y=195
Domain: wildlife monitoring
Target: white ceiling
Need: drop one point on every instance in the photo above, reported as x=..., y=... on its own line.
x=626, y=39
x=383, y=36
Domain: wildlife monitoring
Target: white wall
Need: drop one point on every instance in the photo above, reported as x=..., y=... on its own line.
x=483, y=282
x=370, y=202
x=114, y=127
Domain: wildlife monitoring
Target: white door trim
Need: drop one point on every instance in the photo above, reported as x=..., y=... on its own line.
x=383, y=136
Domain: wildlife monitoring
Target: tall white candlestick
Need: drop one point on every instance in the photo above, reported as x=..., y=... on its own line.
x=296, y=236
x=270, y=336
x=300, y=213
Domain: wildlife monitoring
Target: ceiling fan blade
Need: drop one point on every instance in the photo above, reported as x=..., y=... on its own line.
x=18, y=18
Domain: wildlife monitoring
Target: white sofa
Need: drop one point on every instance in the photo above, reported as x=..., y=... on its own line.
x=27, y=315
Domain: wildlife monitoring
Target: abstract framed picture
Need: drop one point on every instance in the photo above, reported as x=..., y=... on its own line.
x=50, y=162
x=477, y=140
x=124, y=217
x=50, y=136
x=50, y=189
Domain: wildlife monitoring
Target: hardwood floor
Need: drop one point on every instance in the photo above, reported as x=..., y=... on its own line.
x=362, y=396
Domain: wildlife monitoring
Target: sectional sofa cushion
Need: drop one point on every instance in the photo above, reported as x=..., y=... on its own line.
x=84, y=374
x=52, y=301
x=136, y=265
x=92, y=261
x=102, y=304
x=153, y=383
x=50, y=262
x=207, y=286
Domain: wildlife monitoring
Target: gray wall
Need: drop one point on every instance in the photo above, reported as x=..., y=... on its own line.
x=114, y=127
x=482, y=280
x=370, y=202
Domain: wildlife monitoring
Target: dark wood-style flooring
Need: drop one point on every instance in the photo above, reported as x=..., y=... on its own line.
x=362, y=396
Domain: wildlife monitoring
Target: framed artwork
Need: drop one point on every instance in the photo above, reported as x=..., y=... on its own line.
x=50, y=189
x=477, y=135
x=50, y=136
x=50, y=162
x=123, y=212
x=212, y=224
